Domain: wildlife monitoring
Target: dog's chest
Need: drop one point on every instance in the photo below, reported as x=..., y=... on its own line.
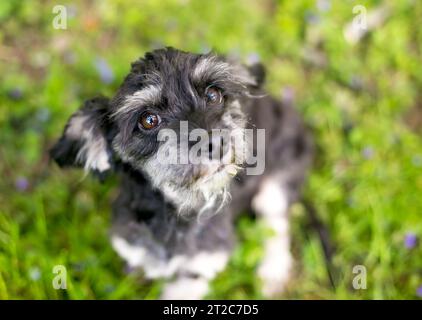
x=163, y=248
x=148, y=233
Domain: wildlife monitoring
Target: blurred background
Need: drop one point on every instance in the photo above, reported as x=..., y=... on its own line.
x=360, y=93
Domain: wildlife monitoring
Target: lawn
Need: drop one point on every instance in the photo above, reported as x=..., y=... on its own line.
x=361, y=99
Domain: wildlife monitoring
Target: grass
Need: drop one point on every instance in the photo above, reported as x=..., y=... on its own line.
x=361, y=100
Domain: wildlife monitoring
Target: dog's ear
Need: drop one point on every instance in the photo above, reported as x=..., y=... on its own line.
x=84, y=140
x=257, y=71
x=252, y=73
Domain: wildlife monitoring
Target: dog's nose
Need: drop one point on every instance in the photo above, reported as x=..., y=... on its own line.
x=216, y=148
x=210, y=148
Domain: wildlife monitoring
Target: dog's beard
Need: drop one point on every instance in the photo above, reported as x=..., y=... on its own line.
x=201, y=188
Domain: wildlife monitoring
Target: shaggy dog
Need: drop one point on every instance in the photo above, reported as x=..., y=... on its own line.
x=196, y=142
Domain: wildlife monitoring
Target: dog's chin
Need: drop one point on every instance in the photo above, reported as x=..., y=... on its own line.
x=216, y=177
x=204, y=192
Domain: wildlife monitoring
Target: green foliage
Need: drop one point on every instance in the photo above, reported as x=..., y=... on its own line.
x=361, y=101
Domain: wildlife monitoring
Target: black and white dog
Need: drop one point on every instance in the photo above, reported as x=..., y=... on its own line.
x=174, y=216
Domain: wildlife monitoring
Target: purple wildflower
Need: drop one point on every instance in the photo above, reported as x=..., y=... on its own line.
x=417, y=161
x=72, y=11
x=104, y=71
x=356, y=82
x=128, y=269
x=312, y=18
x=22, y=184
x=368, y=152
x=34, y=273
x=288, y=95
x=419, y=291
x=205, y=48
x=410, y=240
x=253, y=58
x=324, y=5
x=15, y=94
x=43, y=115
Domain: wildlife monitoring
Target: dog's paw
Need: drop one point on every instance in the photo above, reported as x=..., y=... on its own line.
x=185, y=289
x=275, y=272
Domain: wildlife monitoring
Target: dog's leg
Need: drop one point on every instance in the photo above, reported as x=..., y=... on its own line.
x=186, y=288
x=271, y=204
x=195, y=275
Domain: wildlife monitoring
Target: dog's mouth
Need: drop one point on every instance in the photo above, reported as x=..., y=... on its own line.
x=230, y=168
x=209, y=169
x=215, y=177
x=207, y=173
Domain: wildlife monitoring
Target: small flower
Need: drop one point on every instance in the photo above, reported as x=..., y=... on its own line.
x=128, y=269
x=34, y=273
x=72, y=11
x=324, y=5
x=205, y=48
x=253, y=58
x=419, y=291
x=22, y=184
x=43, y=115
x=15, y=94
x=368, y=152
x=312, y=18
x=410, y=240
x=356, y=82
x=417, y=160
x=104, y=71
x=288, y=95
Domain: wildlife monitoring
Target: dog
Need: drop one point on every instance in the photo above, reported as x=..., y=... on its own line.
x=175, y=219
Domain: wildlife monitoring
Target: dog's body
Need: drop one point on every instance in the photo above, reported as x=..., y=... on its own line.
x=175, y=221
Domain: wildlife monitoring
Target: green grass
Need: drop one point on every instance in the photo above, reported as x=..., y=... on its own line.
x=362, y=102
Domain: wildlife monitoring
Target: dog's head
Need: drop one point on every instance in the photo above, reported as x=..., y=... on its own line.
x=164, y=121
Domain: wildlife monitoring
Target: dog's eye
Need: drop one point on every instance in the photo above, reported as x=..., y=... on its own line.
x=214, y=96
x=149, y=120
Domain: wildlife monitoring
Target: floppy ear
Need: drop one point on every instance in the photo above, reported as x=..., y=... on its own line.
x=257, y=71
x=84, y=141
x=252, y=73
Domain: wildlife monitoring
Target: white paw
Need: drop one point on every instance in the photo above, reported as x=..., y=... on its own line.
x=185, y=289
x=275, y=272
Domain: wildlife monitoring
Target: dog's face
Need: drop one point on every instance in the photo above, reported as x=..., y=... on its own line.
x=165, y=106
